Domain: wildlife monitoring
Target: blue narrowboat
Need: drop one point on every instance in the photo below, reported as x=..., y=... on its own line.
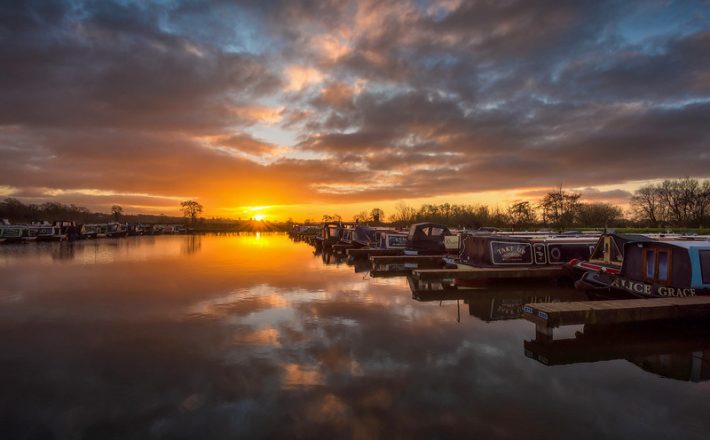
x=655, y=269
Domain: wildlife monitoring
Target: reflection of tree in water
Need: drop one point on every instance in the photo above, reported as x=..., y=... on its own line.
x=192, y=244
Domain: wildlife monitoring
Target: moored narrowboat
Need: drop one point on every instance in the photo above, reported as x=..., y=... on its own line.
x=116, y=230
x=608, y=254
x=655, y=269
x=431, y=238
x=331, y=233
x=391, y=240
x=521, y=251
x=12, y=233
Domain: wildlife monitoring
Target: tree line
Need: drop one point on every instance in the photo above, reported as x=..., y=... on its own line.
x=681, y=202
x=671, y=203
x=557, y=209
x=19, y=212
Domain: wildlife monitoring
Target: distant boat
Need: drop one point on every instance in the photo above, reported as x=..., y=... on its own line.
x=13, y=233
x=116, y=230
x=331, y=233
x=431, y=238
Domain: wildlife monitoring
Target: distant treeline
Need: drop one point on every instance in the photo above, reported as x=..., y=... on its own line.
x=17, y=212
x=682, y=203
x=558, y=210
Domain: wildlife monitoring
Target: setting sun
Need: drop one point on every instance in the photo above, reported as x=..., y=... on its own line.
x=259, y=217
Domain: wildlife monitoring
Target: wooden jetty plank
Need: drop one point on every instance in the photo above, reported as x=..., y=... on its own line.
x=401, y=259
x=488, y=273
x=366, y=252
x=616, y=311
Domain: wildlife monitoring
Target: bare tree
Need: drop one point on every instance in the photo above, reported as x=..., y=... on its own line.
x=646, y=205
x=116, y=212
x=403, y=214
x=521, y=214
x=560, y=208
x=191, y=209
x=360, y=217
x=681, y=202
x=598, y=214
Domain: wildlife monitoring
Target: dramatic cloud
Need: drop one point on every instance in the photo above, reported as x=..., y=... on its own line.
x=348, y=102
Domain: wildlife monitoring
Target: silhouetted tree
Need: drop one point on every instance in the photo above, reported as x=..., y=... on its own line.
x=598, y=215
x=681, y=202
x=191, y=209
x=116, y=212
x=361, y=217
x=521, y=214
x=560, y=208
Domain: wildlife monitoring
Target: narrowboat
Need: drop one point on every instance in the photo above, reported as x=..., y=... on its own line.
x=116, y=230
x=331, y=232
x=54, y=232
x=347, y=236
x=365, y=236
x=655, y=269
x=522, y=251
x=608, y=254
x=391, y=240
x=89, y=231
x=431, y=238
x=12, y=233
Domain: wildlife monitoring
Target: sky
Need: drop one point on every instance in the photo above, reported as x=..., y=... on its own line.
x=301, y=108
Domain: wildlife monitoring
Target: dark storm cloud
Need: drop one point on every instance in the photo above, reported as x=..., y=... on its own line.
x=398, y=99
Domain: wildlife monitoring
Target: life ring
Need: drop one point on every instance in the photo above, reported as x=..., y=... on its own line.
x=555, y=254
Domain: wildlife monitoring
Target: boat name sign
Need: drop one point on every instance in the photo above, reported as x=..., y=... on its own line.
x=647, y=289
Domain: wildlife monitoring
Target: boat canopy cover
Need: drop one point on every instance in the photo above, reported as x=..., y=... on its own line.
x=364, y=234
x=427, y=236
x=617, y=250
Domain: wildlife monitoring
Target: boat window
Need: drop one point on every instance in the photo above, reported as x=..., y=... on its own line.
x=662, y=273
x=657, y=265
x=426, y=231
x=616, y=254
x=437, y=232
x=705, y=266
x=650, y=263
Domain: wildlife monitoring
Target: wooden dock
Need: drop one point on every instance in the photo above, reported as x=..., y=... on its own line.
x=488, y=273
x=550, y=315
x=403, y=259
x=367, y=252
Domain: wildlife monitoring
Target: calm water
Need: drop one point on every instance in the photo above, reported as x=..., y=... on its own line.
x=255, y=336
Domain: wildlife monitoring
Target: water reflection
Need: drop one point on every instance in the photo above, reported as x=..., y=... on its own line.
x=494, y=303
x=672, y=349
x=245, y=335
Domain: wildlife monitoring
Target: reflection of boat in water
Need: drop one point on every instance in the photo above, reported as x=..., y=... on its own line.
x=329, y=257
x=493, y=303
x=674, y=349
x=359, y=264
